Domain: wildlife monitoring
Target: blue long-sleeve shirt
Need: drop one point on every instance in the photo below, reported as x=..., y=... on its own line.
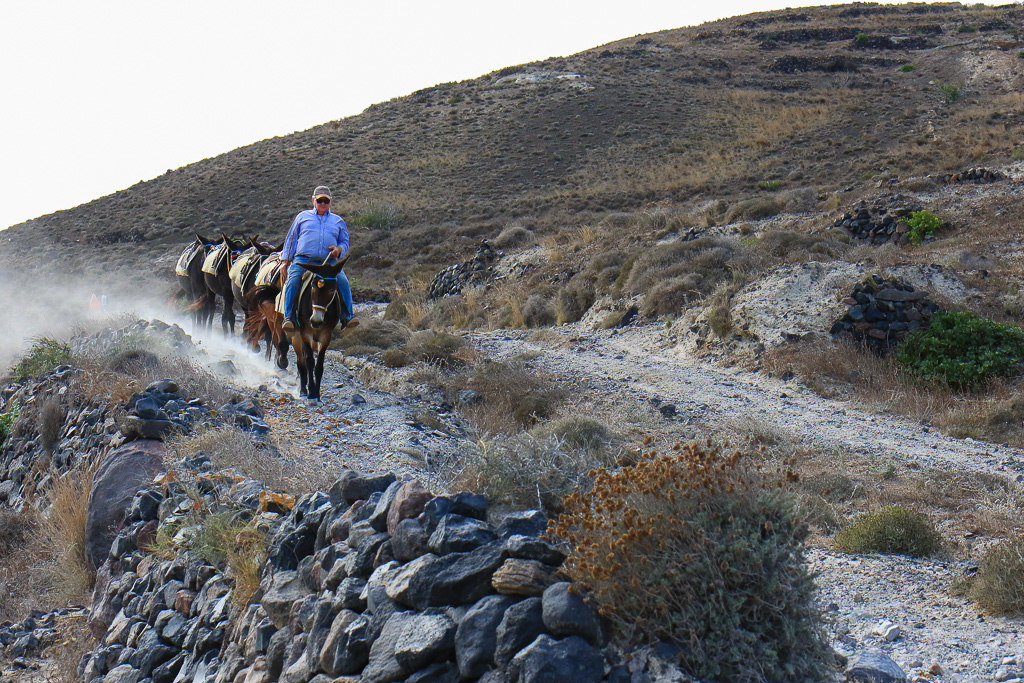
x=312, y=235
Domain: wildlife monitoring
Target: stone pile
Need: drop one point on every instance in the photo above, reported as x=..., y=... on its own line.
x=453, y=279
x=977, y=175
x=375, y=581
x=883, y=312
x=879, y=223
x=32, y=634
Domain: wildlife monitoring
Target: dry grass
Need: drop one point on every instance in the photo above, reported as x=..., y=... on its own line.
x=63, y=530
x=514, y=396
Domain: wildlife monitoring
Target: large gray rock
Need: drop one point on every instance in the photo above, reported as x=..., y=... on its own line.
x=477, y=635
x=286, y=588
x=441, y=672
x=519, y=627
x=347, y=649
x=547, y=660
x=568, y=614
x=351, y=487
x=384, y=666
x=122, y=473
x=122, y=674
x=425, y=639
x=458, y=534
x=455, y=579
x=409, y=540
x=874, y=666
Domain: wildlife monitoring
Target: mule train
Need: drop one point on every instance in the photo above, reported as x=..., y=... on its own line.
x=250, y=272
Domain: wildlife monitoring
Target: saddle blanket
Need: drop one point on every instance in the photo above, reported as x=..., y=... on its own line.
x=215, y=258
x=181, y=268
x=307, y=278
x=270, y=272
x=243, y=265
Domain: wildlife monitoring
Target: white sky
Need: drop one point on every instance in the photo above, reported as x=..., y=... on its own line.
x=98, y=95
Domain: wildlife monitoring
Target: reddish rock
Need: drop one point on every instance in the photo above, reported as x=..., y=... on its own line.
x=122, y=473
x=409, y=502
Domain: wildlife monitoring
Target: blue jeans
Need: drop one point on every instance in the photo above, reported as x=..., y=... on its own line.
x=291, y=287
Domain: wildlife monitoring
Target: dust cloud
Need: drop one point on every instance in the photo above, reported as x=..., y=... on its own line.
x=61, y=310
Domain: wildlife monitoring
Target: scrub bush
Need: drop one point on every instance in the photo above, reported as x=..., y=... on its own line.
x=45, y=355
x=696, y=549
x=998, y=587
x=963, y=350
x=922, y=224
x=895, y=530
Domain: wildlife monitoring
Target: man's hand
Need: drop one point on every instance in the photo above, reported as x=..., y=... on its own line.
x=335, y=252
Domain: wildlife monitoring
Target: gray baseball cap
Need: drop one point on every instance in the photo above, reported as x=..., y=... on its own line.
x=322, y=191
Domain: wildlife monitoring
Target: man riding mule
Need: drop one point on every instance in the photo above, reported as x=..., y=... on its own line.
x=316, y=236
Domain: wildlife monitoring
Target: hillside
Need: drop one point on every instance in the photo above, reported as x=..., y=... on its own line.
x=691, y=122
x=723, y=235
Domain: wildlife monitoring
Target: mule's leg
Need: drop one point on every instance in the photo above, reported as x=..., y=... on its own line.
x=227, y=318
x=318, y=371
x=299, y=345
x=313, y=392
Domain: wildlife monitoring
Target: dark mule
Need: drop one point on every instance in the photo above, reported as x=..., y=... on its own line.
x=244, y=280
x=218, y=283
x=189, y=271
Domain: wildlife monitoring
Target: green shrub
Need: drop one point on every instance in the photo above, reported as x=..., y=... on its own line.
x=966, y=28
x=951, y=91
x=964, y=350
x=769, y=185
x=860, y=39
x=998, y=587
x=907, y=68
x=696, y=550
x=922, y=224
x=378, y=215
x=894, y=530
x=7, y=419
x=45, y=355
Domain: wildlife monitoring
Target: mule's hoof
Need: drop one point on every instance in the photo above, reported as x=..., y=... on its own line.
x=313, y=402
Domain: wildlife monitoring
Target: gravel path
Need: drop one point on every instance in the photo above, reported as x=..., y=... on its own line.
x=940, y=637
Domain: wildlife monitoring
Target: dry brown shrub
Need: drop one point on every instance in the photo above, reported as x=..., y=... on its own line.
x=230, y=447
x=63, y=531
x=73, y=641
x=51, y=422
x=514, y=396
x=839, y=369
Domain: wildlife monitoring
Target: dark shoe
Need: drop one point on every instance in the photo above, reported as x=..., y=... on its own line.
x=289, y=325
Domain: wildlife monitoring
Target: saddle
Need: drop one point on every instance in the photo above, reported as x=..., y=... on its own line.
x=270, y=272
x=243, y=266
x=304, y=284
x=215, y=258
x=185, y=260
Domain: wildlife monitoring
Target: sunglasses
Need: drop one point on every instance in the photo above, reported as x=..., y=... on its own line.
x=323, y=200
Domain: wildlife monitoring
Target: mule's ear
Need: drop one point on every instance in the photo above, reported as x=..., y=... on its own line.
x=225, y=239
x=324, y=270
x=204, y=240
